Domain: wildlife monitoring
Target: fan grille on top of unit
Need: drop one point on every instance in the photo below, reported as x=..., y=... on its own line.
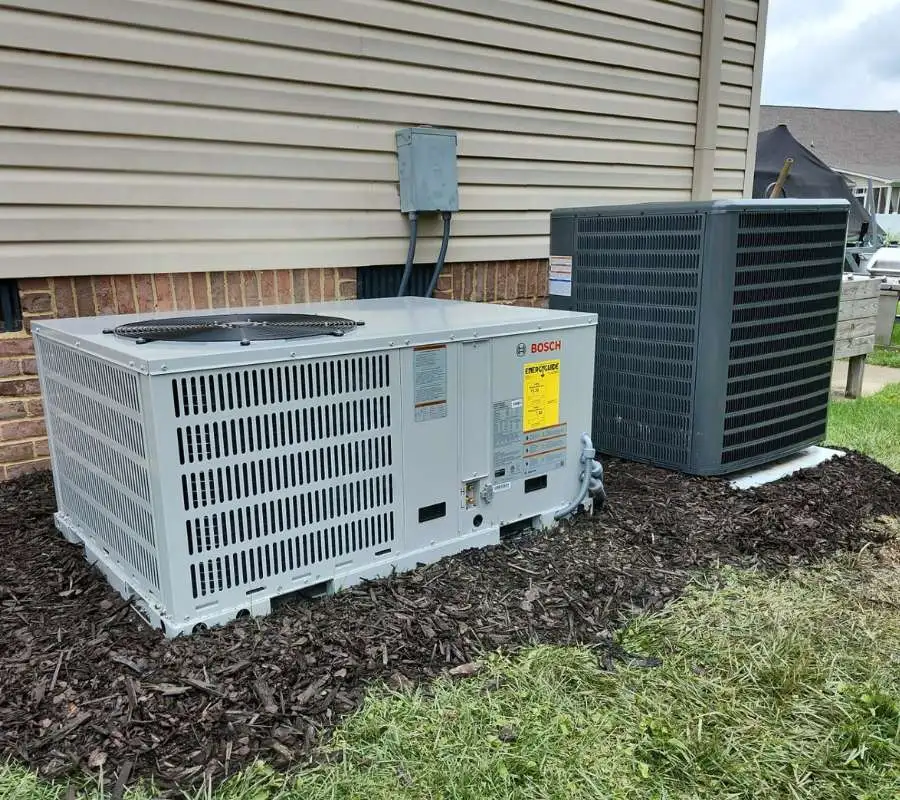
x=242, y=328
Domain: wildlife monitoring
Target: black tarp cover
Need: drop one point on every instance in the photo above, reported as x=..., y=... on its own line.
x=810, y=177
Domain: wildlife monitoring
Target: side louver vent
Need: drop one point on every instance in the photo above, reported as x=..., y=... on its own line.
x=779, y=376
x=284, y=469
x=641, y=276
x=93, y=413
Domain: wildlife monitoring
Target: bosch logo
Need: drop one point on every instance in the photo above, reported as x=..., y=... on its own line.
x=546, y=347
x=520, y=349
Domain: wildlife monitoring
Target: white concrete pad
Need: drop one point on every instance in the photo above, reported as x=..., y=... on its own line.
x=805, y=459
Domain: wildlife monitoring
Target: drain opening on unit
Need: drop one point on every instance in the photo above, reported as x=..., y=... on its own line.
x=243, y=328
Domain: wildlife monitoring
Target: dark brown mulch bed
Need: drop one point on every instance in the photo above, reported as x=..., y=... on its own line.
x=82, y=681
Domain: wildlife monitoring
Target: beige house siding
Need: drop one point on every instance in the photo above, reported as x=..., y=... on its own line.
x=140, y=136
x=739, y=57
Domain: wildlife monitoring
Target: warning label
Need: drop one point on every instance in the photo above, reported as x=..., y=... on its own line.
x=519, y=455
x=545, y=449
x=508, y=440
x=561, y=275
x=430, y=382
x=540, y=394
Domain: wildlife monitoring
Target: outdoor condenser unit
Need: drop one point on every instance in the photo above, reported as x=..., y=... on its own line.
x=716, y=325
x=212, y=463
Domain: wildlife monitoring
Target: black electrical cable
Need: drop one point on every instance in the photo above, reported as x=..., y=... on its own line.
x=410, y=253
x=439, y=265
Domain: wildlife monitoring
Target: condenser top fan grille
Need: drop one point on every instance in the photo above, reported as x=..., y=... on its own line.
x=243, y=328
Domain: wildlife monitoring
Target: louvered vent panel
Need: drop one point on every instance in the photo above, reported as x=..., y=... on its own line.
x=641, y=276
x=93, y=411
x=784, y=319
x=286, y=471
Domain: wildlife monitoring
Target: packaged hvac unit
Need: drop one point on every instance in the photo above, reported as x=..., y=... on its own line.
x=213, y=463
x=716, y=325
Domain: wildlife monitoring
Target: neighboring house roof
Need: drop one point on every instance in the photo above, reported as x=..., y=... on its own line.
x=862, y=142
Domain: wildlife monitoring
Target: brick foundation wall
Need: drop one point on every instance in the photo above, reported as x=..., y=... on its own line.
x=23, y=440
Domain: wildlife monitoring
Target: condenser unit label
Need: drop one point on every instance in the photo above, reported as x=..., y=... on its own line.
x=509, y=441
x=430, y=382
x=540, y=394
x=545, y=450
x=561, y=275
x=519, y=455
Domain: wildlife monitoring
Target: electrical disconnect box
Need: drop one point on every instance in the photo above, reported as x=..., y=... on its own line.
x=427, y=168
x=341, y=442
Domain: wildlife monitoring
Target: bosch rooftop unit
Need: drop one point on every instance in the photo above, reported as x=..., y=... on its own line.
x=211, y=464
x=716, y=325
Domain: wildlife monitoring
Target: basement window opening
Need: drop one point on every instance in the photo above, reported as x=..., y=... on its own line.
x=383, y=281
x=10, y=306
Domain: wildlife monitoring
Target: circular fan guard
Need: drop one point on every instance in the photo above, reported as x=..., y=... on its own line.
x=243, y=328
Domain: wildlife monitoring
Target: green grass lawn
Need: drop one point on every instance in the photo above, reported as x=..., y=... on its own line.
x=769, y=688
x=884, y=357
x=870, y=425
x=887, y=356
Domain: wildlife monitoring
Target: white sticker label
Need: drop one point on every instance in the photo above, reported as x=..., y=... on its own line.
x=430, y=382
x=561, y=275
x=502, y=487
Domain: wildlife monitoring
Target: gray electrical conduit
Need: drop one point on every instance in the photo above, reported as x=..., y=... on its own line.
x=439, y=265
x=591, y=478
x=410, y=253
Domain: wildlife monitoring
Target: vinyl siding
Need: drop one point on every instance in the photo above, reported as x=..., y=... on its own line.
x=735, y=99
x=147, y=136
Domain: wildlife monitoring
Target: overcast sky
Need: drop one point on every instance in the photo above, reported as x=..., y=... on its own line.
x=833, y=53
